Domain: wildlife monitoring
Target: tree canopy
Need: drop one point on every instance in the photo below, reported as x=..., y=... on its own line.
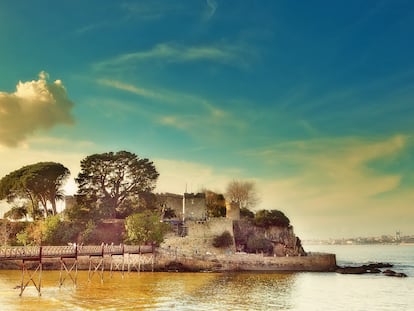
x=216, y=204
x=113, y=179
x=38, y=183
x=265, y=218
x=242, y=192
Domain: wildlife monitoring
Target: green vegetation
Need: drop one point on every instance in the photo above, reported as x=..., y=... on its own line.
x=216, y=204
x=246, y=213
x=265, y=218
x=223, y=240
x=114, y=203
x=37, y=184
x=111, y=183
x=145, y=227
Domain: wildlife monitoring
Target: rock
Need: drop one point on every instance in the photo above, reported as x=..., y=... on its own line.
x=389, y=272
x=370, y=268
x=351, y=270
x=378, y=265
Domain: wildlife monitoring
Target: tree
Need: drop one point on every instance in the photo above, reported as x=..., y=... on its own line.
x=216, y=204
x=17, y=212
x=145, y=227
x=38, y=183
x=111, y=179
x=265, y=218
x=242, y=192
x=246, y=213
x=4, y=232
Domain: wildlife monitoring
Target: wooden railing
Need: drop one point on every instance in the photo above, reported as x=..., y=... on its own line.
x=72, y=251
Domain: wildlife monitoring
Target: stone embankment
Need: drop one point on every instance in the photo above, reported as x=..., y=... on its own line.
x=165, y=260
x=316, y=262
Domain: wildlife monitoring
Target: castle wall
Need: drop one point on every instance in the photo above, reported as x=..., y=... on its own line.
x=199, y=240
x=195, y=206
x=172, y=201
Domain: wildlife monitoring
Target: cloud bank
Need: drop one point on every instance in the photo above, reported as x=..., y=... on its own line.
x=35, y=105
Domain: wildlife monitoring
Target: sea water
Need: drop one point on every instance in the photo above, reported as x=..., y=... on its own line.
x=228, y=291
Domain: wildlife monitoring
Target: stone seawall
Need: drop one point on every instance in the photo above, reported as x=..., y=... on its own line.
x=315, y=262
x=251, y=262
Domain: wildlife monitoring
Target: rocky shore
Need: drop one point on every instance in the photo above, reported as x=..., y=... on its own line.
x=370, y=268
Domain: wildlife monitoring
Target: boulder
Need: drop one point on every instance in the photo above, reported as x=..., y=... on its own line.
x=370, y=268
x=389, y=272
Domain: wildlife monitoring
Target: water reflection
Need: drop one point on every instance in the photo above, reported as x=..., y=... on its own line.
x=155, y=291
x=246, y=291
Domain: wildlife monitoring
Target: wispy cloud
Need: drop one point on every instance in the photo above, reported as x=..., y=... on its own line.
x=185, y=112
x=224, y=53
x=332, y=176
x=34, y=105
x=211, y=8
x=144, y=92
x=155, y=9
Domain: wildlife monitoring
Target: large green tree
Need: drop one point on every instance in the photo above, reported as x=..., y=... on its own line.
x=39, y=183
x=109, y=180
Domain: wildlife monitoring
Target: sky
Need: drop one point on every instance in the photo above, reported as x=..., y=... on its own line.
x=310, y=100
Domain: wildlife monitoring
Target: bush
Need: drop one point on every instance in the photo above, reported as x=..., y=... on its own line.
x=223, y=240
x=145, y=227
x=265, y=218
x=246, y=213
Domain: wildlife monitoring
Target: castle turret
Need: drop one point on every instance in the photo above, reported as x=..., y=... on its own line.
x=233, y=210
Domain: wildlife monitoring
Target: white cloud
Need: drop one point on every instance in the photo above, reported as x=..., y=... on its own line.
x=224, y=53
x=34, y=105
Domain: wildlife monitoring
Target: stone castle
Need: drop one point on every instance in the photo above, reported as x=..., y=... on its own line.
x=195, y=231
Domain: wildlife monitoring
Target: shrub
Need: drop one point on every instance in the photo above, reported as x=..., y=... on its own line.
x=246, y=213
x=265, y=218
x=145, y=227
x=223, y=240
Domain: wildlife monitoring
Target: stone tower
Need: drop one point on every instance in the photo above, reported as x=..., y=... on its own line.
x=233, y=210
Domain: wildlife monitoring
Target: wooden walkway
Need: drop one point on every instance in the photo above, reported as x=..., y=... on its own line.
x=137, y=257
x=36, y=253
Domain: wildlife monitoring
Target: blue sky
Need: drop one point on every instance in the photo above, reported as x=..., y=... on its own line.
x=311, y=100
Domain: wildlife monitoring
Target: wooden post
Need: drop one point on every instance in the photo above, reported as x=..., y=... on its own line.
x=73, y=268
x=31, y=276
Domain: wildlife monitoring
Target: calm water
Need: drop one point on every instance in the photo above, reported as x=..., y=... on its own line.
x=233, y=291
